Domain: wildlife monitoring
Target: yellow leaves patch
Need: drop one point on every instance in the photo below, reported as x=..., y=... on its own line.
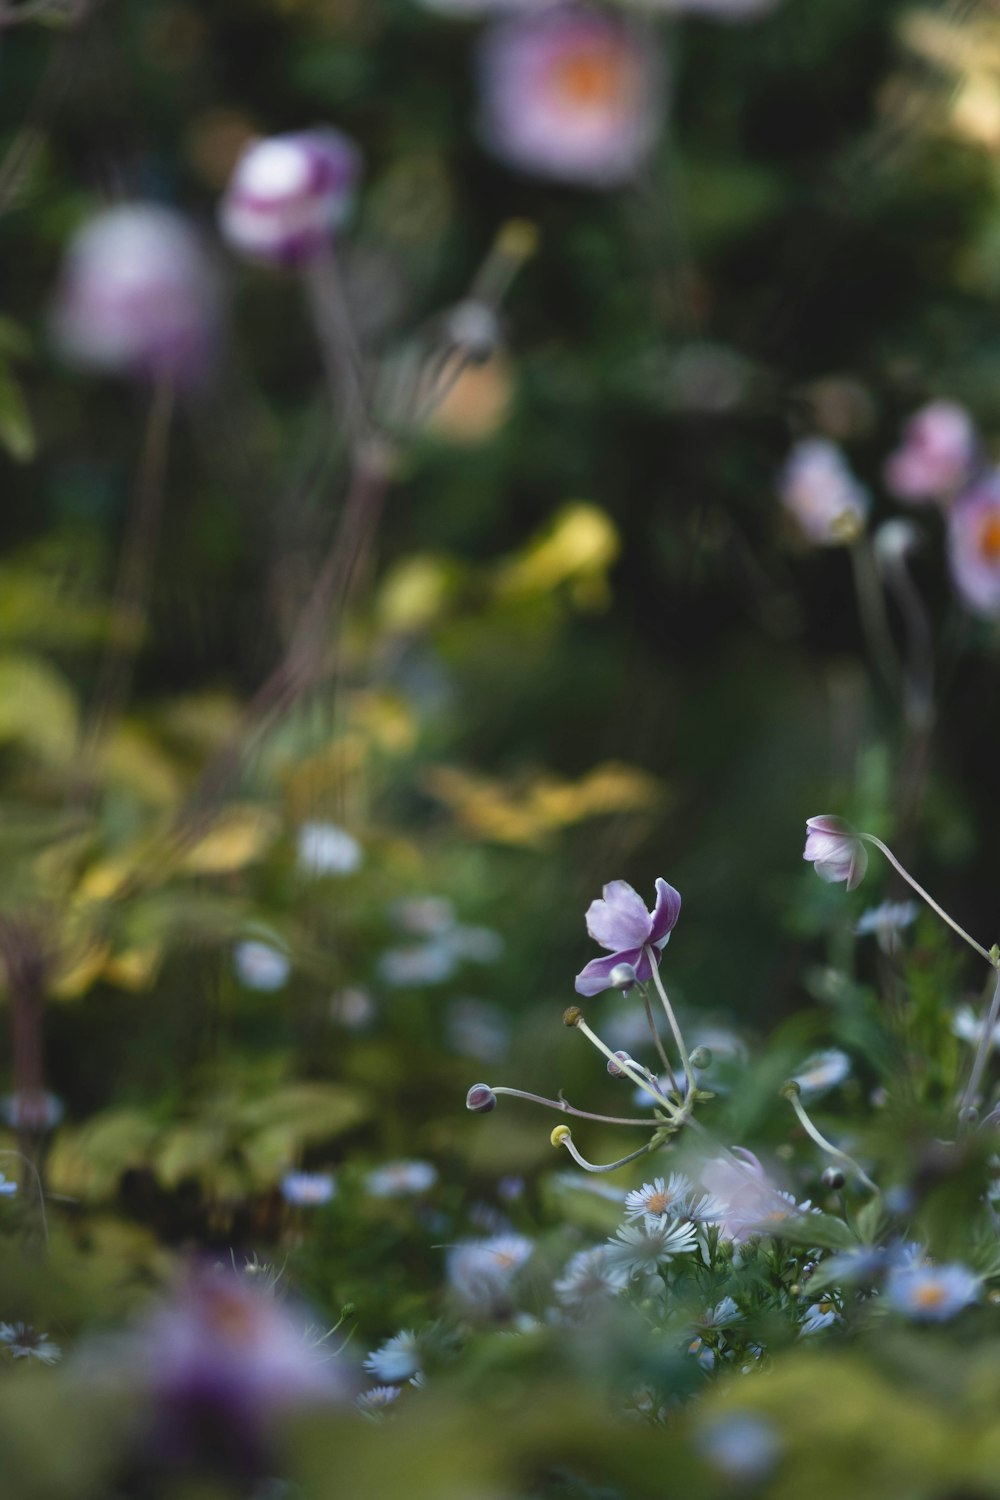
x=576, y=551
x=237, y=838
x=529, y=813
x=38, y=709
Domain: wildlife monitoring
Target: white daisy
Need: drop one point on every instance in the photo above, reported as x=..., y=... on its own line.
x=308, y=1189
x=397, y=1360
x=658, y=1198
x=480, y=1272
x=396, y=1179
x=24, y=1342
x=823, y=1071
x=589, y=1277
x=377, y=1398
x=931, y=1293
x=325, y=849
x=637, y=1249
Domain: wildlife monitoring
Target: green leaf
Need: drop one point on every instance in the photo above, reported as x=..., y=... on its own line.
x=17, y=434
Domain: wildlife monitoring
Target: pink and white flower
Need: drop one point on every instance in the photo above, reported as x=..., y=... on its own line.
x=621, y=923
x=835, y=851
x=819, y=490
x=937, y=456
x=288, y=196
x=974, y=546
x=570, y=93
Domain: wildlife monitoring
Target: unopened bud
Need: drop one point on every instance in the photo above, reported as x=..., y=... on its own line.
x=474, y=327
x=572, y=1015
x=614, y=1069
x=969, y=1114
x=833, y=1178
x=480, y=1099
x=701, y=1058
x=561, y=1134
x=622, y=977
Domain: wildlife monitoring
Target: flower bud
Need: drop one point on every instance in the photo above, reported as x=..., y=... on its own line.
x=473, y=327
x=138, y=296
x=789, y=1090
x=622, y=977
x=835, y=851
x=288, y=195
x=572, y=1015
x=833, y=1178
x=613, y=1068
x=480, y=1099
x=701, y=1058
x=561, y=1134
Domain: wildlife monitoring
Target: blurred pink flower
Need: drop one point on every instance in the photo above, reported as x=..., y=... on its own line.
x=570, y=93
x=288, y=195
x=974, y=546
x=817, y=487
x=621, y=923
x=937, y=454
x=746, y=1200
x=835, y=851
x=138, y=296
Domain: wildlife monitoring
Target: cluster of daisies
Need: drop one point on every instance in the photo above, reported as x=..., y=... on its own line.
x=940, y=464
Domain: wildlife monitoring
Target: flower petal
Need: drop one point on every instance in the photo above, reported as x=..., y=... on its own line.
x=596, y=977
x=620, y=920
x=665, y=913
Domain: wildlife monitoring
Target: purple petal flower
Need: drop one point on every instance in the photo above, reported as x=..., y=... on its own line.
x=621, y=923
x=819, y=490
x=570, y=93
x=138, y=296
x=937, y=455
x=288, y=195
x=836, y=852
x=974, y=546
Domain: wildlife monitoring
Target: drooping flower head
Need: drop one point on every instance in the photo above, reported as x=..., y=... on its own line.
x=288, y=196
x=974, y=546
x=835, y=851
x=819, y=490
x=570, y=93
x=621, y=923
x=937, y=455
x=138, y=297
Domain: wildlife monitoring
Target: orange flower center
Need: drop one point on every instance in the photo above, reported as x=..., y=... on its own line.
x=658, y=1203
x=989, y=538
x=929, y=1295
x=593, y=78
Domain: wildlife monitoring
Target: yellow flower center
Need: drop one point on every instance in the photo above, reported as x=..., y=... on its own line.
x=929, y=1295
x=593, y=78
x=989, y=538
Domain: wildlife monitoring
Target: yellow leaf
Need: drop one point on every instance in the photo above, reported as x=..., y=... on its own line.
x=415, y=594
x=238, y=838
x=37, y=708
x=131, y=758
x=78, y=971
x=577, y=549
x=134, y=969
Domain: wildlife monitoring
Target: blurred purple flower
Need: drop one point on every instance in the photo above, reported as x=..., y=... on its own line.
x=570, y=93
x=974, y=546
x=138, y=296
x=937, y=456
x=817, y=487
x=835, y=851
x=621, y=923
x=288, y=195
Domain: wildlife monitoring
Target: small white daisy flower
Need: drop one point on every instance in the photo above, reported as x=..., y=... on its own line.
x=397, y=1360
x=822, y=1072
x=657, y=1198
x=261, y=966
x=641, y=1248
x=819, y=1315
x=24, y=1342
x=931, y=1293
x=378, y=1398
x=742, y=1446
x=325, y=849
x=589, y=1277
x=397, y=1179
x=308, y=1189
x=480, y=1271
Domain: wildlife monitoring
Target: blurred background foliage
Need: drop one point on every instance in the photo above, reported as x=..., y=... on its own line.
x=587, y=647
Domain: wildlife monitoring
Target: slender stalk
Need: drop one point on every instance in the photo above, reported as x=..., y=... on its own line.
x=870, y=838
x=611, y=1166
x=676, y=1114
x=871, y=608
x=678, y=1038
x=567, y=1109
x=827, y=1146
x=654, y=1033
x=983, y=1050
x=342, y=359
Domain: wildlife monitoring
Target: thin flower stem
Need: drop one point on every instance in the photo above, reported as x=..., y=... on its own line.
x=678, y=1038
x=654, y=1033
x=568, y=1109
x=589, y=1166
x=983, y=1050
x=643, y=1083
x=27, y=1162
x=871, y=608
x=827, y=1146
x=870, y=838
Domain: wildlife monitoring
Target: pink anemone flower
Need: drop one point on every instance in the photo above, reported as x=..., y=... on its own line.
x=632, y=934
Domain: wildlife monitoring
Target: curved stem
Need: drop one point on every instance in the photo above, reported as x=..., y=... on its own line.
x=678, y=1038
x=568, y=1109
x=643, y=1083
x=983, y=1050
x=827, y=1146
x=654, y=1033
x=589, y=1166
x=870, y=838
